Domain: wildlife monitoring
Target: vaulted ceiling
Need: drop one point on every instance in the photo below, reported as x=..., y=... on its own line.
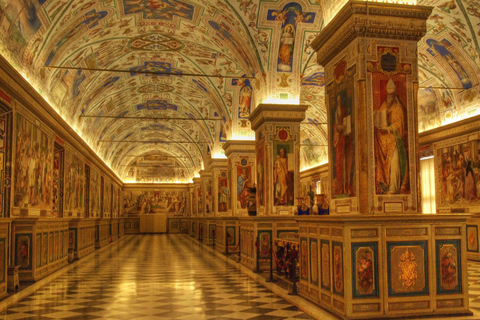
x=156, y=87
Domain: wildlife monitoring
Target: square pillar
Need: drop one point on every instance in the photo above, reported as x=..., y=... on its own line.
x=371, y=97
x=197, y=197
x=221, y=190
x=206, y=187
x=241, y=173
x=277, y=136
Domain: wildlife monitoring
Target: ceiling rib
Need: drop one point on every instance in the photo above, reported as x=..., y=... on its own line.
x=152, y=72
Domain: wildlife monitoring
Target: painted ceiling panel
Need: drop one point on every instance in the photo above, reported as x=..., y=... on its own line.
x=117, y=69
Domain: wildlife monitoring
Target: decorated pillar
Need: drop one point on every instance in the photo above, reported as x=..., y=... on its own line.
x=206, y=187
x=277, y=136
x=369, y=52
x=191, y=198
x=220, y=187
x=241, y=173
x=197, y=197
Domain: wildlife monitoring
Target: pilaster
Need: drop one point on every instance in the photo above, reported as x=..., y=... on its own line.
x=370, y=60
x=277, y=136
x=241, y=173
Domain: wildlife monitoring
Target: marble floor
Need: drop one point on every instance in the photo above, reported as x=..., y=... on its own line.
x=167, y=277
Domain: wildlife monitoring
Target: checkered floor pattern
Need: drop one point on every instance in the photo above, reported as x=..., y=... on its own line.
x=153, y=277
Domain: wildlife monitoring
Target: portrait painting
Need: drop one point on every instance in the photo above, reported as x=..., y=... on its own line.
x=407, y=270
x=342, y=131
x=244, y=183
x=472, y=238
x=283, y=168
x=390, y=120
x=365, y=266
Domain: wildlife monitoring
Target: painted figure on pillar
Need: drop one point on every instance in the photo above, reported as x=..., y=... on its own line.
x=390, y=134
x=243, y=184
x=342, y=143
x=260, y=158
x=342, y=129
x=283, y=174
x=223, y=193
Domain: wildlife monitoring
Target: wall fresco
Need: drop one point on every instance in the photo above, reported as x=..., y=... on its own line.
x=148, y=201
x=74, y=184
x=95, y=193
x=457, y=173
x=33, y=166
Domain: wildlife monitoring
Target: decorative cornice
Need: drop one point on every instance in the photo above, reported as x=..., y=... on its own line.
x=205, y=174
x=197, y=180
x=370, y=20
x=449, y=131
x=127, y=185
x=239, y=146
x=217, y=164
x=277, y=113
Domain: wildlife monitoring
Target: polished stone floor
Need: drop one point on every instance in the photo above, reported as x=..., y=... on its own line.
x=169, y=277
x=153, y=277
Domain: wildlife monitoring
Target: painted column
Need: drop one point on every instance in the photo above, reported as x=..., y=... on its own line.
x=220, y=187
x=190, y=212
x=369, y=52
x=241, y=173
x=206, y=187
x=277, y=136
x=197, y=197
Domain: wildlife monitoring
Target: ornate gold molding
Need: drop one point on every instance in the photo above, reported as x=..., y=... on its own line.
x=370, y=20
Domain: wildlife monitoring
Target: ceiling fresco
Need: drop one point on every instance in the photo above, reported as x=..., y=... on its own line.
x=156, y=87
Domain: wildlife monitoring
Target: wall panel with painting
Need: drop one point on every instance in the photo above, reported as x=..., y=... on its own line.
x=168, y=199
